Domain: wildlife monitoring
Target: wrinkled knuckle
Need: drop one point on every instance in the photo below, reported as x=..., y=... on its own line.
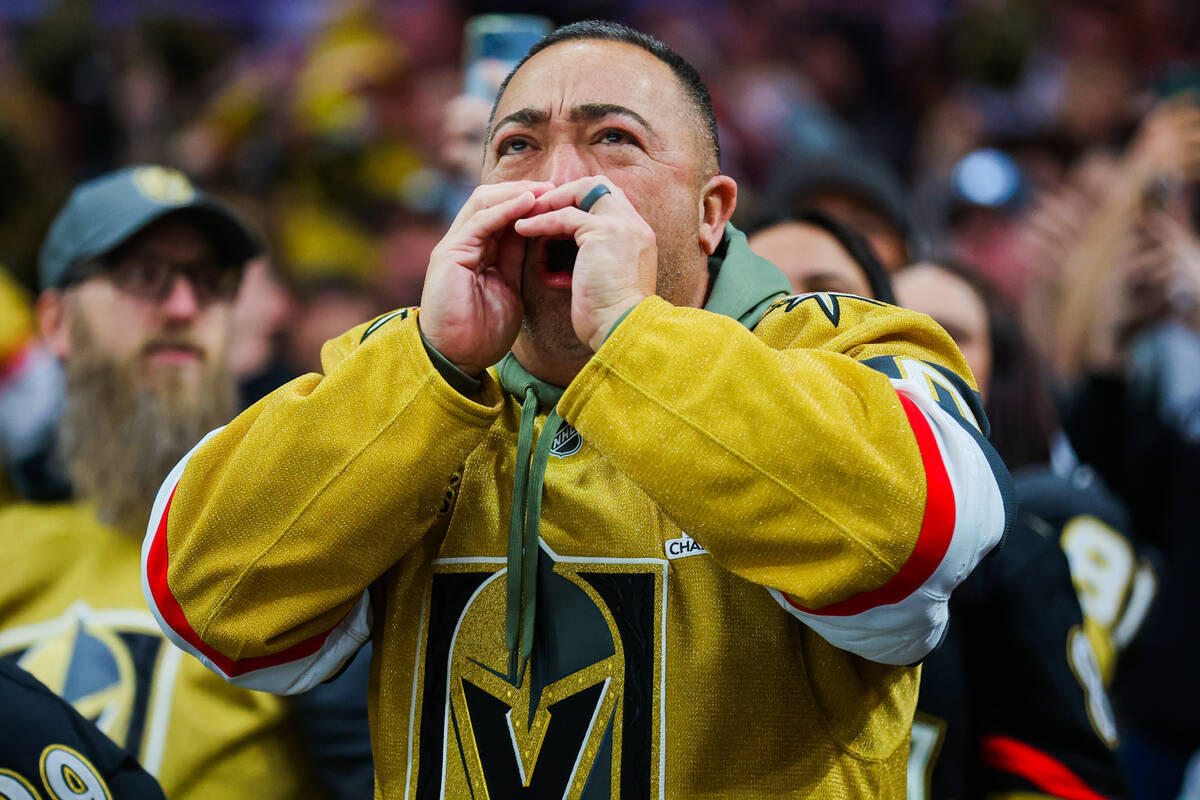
x=486, y=196
x=614, y=226
x=474, y=203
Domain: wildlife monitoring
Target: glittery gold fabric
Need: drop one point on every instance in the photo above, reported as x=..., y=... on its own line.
x=792, y=465
x=74, y=587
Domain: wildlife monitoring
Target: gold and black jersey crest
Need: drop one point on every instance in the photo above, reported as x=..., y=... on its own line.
x=583, y=721
x=109, y=664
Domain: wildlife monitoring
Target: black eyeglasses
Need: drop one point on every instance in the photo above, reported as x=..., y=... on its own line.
x=148, y=278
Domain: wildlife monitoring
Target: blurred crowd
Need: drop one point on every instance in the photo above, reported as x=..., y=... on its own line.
x=1053, y=148
x=335, y=126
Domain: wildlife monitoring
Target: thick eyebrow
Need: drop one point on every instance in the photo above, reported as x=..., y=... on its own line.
x=587, y=112
x=526, y=116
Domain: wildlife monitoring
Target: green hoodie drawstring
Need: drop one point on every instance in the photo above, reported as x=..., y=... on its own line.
x=516, y=527
x=523, y=535
x=744, y=287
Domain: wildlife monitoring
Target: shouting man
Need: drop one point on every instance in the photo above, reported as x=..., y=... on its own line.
x=619, y=516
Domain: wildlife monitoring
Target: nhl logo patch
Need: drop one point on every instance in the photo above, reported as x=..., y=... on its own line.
x=567, y=442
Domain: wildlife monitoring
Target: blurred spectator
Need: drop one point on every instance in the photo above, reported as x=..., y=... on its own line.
x=262, y=313
x=1018, y=406
x=1127, y=290
x=853, y=187
x=31, y=402
x=1029, y=664
x=492, y=46
x=140, y=270
x=1116, y=245
x=326, y=309
x=819, y=254
x=465, y=131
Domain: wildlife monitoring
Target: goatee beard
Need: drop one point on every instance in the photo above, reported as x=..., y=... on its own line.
x=120, y=437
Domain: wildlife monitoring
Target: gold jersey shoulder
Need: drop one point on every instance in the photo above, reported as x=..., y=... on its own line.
x=860, y=328
x=72, y=615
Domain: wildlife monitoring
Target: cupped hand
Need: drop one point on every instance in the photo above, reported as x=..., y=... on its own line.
x=617, y=264
x=471, y=308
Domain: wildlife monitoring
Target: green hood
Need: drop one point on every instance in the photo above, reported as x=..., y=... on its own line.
x=743, y=286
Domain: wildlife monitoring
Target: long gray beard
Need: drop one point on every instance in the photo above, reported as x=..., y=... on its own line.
x=119, y=438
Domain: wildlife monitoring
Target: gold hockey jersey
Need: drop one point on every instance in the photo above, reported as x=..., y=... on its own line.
x=751, y=520
x=72, y=613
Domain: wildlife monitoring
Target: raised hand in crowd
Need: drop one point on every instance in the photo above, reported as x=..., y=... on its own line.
x=1119, y=251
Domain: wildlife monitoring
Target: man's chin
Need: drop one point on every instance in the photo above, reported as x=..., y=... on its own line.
x=174, y=377
x=548, y=347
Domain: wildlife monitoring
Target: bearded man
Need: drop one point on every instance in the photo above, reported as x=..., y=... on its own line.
x=139, y=272
x=619, y=517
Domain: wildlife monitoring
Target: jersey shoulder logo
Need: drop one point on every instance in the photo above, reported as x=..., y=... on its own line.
x=1116, y=587
x=13, y=786
x=584, y=721
x=827, y=301
x=401, y=314
x=937, y=383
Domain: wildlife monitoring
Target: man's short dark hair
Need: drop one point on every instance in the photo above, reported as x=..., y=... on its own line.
x=693, y=86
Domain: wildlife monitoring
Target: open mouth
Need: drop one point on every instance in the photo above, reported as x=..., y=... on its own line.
x=560, y=256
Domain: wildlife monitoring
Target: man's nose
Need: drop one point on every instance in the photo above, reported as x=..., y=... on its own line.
x=181, y=301
x=566, y=163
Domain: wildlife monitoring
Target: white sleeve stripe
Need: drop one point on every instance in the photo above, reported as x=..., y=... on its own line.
x=905, y=631
x=296, y=669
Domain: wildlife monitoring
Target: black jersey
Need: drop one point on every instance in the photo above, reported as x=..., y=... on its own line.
x=1014, y=700
x=1143, y=435
x=1115, y=576
x=49, y=750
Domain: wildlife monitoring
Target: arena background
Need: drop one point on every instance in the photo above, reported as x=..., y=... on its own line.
x=331, y=123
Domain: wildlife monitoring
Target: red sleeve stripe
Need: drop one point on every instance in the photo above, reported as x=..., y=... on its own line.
x=172, y=614
x=1048, y=774
x=937, y=528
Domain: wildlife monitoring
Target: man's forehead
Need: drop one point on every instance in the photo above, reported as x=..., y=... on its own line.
x=570, y=74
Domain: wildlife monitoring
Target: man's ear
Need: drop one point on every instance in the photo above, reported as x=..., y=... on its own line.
x=52, y=321
x=718, y=199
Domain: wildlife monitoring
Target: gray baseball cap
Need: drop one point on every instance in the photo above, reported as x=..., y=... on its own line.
x=104, y=212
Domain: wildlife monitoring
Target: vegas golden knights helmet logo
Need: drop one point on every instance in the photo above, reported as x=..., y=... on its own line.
x=582, y=722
